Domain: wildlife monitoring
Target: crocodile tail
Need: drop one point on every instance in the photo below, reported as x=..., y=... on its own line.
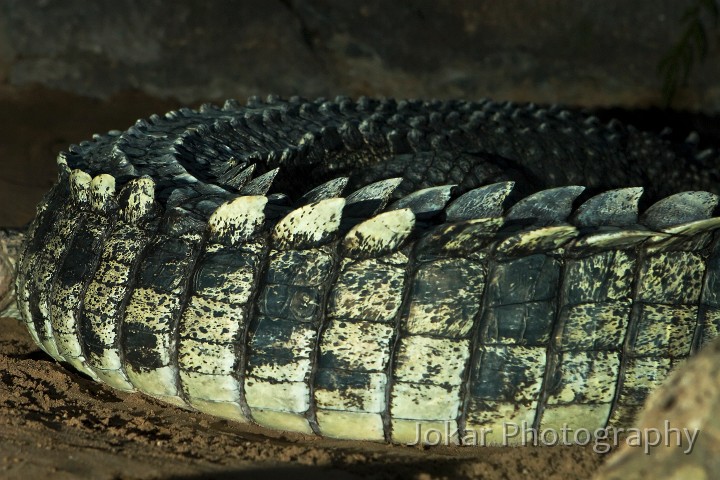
x=169, y=265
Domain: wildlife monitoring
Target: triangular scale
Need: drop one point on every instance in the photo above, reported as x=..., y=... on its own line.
x=481, y=202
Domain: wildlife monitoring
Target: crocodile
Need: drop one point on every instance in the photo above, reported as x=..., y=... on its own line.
x=366, y=268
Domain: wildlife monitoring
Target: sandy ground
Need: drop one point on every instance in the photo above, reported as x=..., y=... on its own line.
x=57, y=423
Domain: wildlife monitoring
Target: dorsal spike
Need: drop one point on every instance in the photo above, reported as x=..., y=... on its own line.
x=329, y=108
x=208, y=107
x=80, y=187
x=617, y=208
x=237, y=221
x=379, y=235
x=370, y=199
x=136, y=199
x=546, y=207
x=371, y=132
x=102, y=192
x=272, y=99
x=309, y=226
x=350, y=135
x=417, y=140
x=237, y=176
x=308, y=140
x=254, y=101
x=63, y=169
x=287, y=156
x=427, y=202
x=260, y=185
x=481, y=202
x=680, y=208
x=231, y=104
x=333, y=188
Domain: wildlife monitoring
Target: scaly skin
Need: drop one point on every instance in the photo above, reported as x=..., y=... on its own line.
x=174, y=259
x=10, y=243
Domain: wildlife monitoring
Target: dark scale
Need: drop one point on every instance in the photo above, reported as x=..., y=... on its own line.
x=163, y=276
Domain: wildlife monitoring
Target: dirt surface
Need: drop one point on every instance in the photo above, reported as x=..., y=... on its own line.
x=56, y=423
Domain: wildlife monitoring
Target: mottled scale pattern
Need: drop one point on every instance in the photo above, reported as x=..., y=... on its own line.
x=358, y=268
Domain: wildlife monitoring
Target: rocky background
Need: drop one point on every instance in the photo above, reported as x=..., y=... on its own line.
x=587, y=53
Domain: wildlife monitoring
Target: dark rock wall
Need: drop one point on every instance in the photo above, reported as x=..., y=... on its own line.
x=570, y=51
